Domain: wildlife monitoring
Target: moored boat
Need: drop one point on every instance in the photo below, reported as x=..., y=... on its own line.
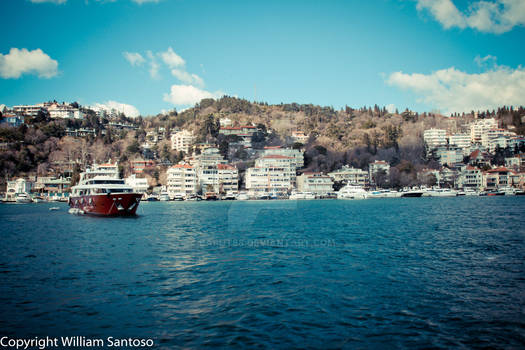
x=101, y=192
x=23, y=198
x=352, y=192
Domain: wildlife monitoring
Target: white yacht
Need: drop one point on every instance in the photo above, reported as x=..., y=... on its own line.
x=352, y=192
x=243, y=196
x=384, y=194
x=23, y=198
x=440, y=192
x=301, y=195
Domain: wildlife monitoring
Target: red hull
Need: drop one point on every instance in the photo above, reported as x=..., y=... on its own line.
x=117, y=204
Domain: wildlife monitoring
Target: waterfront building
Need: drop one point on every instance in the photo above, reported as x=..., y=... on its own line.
x=377, y=167
x=480, y=127
x=350, y=175
x=470, y=177
x=139, y=184
x=296, y=154
x=316, y=183
x=435, y=138
x=181, y=179
x=267, y=179
x=51, y=184
x=516, y=162
x=496, y=178
x=288, y=164
x=220, y=178
x=182, y=141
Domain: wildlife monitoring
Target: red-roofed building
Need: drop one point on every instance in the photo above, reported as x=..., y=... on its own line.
x=138, y=166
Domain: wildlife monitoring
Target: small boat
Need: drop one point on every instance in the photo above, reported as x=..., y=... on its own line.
x=508, y=191
x=152, y=198
x=76, y=211
x=412, y=192
x=495, y=193
x=352, y=192
x=38, y=199
x=23, y=198
x=194, y=198
x=54, y=208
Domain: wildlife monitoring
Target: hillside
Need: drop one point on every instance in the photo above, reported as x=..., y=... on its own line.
x=336, y=137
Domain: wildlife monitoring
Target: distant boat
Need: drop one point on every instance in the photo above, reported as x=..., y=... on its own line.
x=412, y=193
x=164, y=197
x=54, y=208
x=352, y=192
x=441, y=192
x=211, y=196
x=243, y=196
x=23, y=198
x=383, y=194
x=295, y=195
x=179, y=196
x=230, y=195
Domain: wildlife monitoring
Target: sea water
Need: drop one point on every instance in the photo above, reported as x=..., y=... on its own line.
x=378, y=273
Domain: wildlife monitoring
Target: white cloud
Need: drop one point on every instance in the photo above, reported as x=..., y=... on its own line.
x=51, y=1
x=171, y=59
x=128, y=110
x=134, y=58
x=18, y=62
x=187, y=78
x=153, y=65
x=181, y=95
x=497, y=16
x=452, y=90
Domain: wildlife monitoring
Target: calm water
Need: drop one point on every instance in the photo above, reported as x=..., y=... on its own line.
x=392, y=273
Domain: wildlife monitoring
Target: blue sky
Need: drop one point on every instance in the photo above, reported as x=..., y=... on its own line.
x=425, y=55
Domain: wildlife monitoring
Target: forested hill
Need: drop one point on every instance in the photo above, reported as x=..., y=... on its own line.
x=336, y=137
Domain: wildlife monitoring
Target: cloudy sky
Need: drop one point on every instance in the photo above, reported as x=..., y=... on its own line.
x=145, y=56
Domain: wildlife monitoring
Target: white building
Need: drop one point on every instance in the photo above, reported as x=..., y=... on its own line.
x=221, y=178
x=377, y=166
x=489, y=136
x=139, y=184
x=516, y=162
x=289, y=164
x=29, y=110
x=182, y=141
x=264, y=180
x=435, y=138
x=459, y=140
x=449, y=156
x=350, y=175
x=182, y=179
x=316, y=183
x=479, y=127
x=296, y=154
x=209, y=157
x=64, y=111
